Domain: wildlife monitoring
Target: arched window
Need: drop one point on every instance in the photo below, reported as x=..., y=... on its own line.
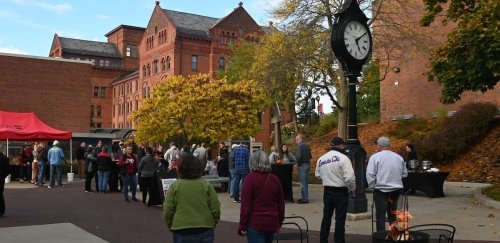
x=168, y=62
x=155, y=66
x=163, y=65
x=144, y=91
x=222, y=36
x=222, y=64
x=148, y=70
x=98, y=111
x=144, y=70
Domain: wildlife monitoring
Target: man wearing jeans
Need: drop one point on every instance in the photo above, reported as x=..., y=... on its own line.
x=303, y=156
x=55, y=157
x=384, y=175
x=241, y=158
x=128, y=163
x=231, y=169
x=337, y=176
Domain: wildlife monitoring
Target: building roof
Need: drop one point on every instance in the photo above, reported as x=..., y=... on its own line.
x=191, y=24
x=45, y=58
x=126, y=77
x=90, y=48
x=124, y=27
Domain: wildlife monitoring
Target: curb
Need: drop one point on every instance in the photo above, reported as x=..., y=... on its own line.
x=478, y=195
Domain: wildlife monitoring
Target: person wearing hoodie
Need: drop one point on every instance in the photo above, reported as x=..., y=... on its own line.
x=103, y=168
x=147, y=168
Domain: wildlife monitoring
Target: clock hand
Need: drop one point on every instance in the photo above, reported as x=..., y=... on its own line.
x=357, y=39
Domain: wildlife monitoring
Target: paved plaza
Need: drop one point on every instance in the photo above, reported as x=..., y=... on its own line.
x=71, y=215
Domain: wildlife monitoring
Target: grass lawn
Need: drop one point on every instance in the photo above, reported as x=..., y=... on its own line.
x=493, y=192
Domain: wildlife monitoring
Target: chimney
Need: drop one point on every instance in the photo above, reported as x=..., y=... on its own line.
x=240, y=4
x=157, y=3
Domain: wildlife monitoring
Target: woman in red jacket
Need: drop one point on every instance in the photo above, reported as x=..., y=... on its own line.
x=23, y=161
x=128, y=163
x=262, y=204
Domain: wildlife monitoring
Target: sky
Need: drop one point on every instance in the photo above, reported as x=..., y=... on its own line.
x=28, y=26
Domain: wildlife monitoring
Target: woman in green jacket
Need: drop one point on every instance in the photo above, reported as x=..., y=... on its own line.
x=191, y=208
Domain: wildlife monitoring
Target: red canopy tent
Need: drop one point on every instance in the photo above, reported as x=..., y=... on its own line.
x=28, y=127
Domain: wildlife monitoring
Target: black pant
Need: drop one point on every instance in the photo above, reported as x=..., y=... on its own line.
x=385, y=203
x=334, y=199
x=2, y=200
x=113, y=178
x=146, y=183
x=88, y=181
x=284, y=173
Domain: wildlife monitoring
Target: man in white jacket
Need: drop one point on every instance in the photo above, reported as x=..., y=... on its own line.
x=337, y=176
x=171, y=155
x=384, y=175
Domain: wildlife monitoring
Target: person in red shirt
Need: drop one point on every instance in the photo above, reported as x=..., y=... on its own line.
x=128, y=163
x=262, y=204
x=23, y=161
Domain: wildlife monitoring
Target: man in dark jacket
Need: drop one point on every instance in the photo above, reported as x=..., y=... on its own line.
x=223, y=163
x=303, y=156
x=4, y=172
x=80, y=157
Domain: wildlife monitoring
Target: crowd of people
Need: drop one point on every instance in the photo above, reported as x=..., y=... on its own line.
x=36, y=161
x=191, y=208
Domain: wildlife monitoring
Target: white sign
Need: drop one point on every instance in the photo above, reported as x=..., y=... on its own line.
x=166, y=184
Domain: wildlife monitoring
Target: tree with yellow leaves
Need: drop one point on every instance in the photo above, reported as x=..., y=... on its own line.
x=199, y=108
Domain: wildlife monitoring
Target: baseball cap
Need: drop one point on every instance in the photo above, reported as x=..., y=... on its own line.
x=383, y=141
x=337, y=141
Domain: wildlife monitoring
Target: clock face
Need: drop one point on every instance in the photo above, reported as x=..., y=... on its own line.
x=357, y=40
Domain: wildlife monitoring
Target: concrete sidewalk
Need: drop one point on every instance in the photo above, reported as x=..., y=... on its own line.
x=472, y=220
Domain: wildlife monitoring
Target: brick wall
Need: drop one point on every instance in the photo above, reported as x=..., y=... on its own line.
x=56, y=90
x=409, y=91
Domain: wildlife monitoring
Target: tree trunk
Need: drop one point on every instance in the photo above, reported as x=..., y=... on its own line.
x=342, y=99
x=294, y=118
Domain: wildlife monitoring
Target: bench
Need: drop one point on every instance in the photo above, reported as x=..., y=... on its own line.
x=212, y=179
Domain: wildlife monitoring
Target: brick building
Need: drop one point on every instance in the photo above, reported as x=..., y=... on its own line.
x=406, y=92
x=110, y=60
x=178, y=43
x=47, y=87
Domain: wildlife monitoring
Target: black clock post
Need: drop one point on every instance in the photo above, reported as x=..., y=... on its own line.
x=352, y=45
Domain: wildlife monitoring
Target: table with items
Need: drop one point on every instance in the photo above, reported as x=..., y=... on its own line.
x=430, y=183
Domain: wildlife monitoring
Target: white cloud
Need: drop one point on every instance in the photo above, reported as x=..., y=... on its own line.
x=261, y=9
x=56, y=8
x=99, y=39
x=69, y=34
x=149, y=5
x=12, y=50
x=7, y=14
x=102, y=16
x=33, y=24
